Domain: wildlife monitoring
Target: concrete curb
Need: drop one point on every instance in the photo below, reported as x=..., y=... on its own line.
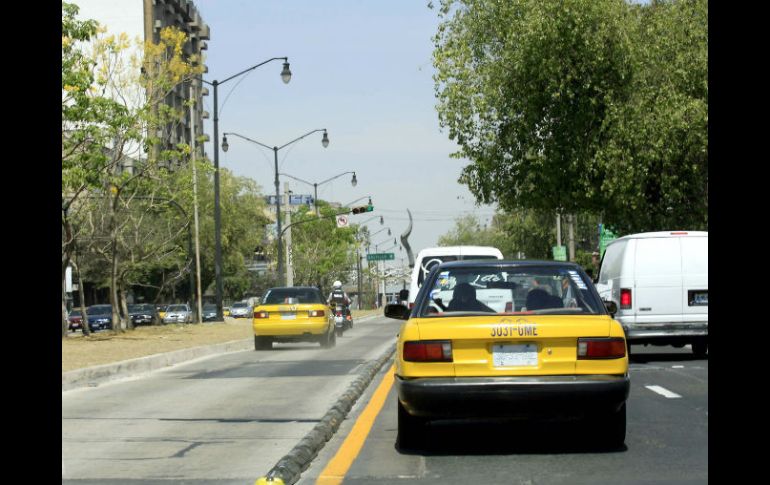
x=289, y=468
x=93, y=376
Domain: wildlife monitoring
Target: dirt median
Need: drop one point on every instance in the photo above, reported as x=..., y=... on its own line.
x=106, y=347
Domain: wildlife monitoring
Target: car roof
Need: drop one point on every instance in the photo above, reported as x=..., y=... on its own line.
x=293, y=288
x=499, y=263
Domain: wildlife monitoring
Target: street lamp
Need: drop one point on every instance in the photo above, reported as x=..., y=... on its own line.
x=324, y=142
x=374, y=234
x=286, y=77
x=353, y=181
x=382, y=221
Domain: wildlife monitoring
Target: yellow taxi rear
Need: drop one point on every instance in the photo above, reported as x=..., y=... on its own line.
x=300, y=316
x=505, y=360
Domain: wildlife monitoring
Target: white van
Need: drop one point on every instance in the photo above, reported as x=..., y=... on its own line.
x=430, y=257
x=659, y=282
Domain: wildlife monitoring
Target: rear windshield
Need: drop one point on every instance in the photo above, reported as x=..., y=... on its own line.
x=292, y=295
x=429, y=262
x=509, y=291
x=100, y=310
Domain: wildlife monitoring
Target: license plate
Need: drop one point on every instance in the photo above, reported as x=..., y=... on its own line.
x=288, y=316
x=518, y=355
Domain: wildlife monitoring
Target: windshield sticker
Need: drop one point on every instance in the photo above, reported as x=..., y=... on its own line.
x=577, y=279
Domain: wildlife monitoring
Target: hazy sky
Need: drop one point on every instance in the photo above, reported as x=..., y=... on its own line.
x=362, y=70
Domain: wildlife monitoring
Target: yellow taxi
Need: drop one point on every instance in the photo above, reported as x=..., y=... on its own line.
x=293, y=314
x=510, y=339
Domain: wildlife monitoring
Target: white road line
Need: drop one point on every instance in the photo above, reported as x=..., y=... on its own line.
x=677, y=367
x=663, y=392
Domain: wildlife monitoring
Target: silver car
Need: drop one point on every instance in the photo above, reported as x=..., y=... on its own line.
x=178, y=314
x=241, y=309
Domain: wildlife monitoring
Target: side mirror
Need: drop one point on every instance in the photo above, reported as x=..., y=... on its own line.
x=403, y=295
x=611, y=307
x=397, y=311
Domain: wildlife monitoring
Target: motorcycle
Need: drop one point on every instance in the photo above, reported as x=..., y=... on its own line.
x=342, y=322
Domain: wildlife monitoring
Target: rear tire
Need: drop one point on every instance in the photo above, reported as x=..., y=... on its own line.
x=329, y=340
x=612, y=428
x=410, y=429
x=262, y=343
x=339, y=331
x=700, y=349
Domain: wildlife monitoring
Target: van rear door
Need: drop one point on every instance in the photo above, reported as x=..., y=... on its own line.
x=695, y=278
x=657, y=295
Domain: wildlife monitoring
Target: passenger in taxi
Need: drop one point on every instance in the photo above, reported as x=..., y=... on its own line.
x=464, y=300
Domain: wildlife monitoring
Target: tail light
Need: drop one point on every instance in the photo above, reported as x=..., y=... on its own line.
x=625, y=298
x=350, y=317
x=601, y=348
x=428, y=351
x=411, y=305
x=509, y=307
x=261, y=314
x=315, y=313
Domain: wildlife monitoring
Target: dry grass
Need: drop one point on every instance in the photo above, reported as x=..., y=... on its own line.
x=106, y=347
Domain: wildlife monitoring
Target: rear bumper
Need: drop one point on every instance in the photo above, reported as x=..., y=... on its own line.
x=637, y=332
x=291, y=328
x=561, y=396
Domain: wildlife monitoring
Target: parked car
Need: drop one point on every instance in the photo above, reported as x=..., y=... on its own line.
x=510, y=339
x=161, y=309
x=241, y=309
x=659, y=282
x=293, y=314
x=180, y=313
x=75, y=320
x=142, y=314
x=209, y=312
x=226, y=311
x=99, y=317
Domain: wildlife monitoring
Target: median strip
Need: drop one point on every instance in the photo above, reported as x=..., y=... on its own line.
x=290, y=467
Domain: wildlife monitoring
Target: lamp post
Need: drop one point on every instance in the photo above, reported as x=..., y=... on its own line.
x=382, y=221
x=353, y=182
x=286, y=77
x=375, y=233
x=324, y=142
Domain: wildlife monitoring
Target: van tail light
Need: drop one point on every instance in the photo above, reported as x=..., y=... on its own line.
x=411, y=305
x=601, y=348
x=625, y=298
x=428, y=351
x=315, y=313
x=509, y=307
x=261, y=314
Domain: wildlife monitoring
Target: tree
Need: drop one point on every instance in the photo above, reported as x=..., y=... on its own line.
x=579, y=106
x=111, y=116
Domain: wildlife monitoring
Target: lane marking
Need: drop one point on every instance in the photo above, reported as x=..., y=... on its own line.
x=663, y=392
x=339, y=465
x=677, y=367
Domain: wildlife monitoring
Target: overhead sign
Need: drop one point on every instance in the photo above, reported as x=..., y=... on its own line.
x=342, y=220
x=560, y=253
x=380, y=256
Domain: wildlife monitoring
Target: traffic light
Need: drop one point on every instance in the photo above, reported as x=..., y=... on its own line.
x=362, y=209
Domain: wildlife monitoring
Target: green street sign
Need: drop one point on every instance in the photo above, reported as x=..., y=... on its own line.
x=380, y=256
x=560, y=253
x=605, y=237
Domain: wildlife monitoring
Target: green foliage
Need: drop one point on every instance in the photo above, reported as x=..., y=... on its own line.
x=579, y=106
x=322, y=252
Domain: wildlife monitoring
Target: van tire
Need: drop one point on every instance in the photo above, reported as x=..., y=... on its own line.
x=700, y=349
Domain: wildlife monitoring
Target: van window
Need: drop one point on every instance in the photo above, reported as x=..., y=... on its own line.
x=428, y=263
x=613, y=259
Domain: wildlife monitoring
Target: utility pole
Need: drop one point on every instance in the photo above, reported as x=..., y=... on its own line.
x=558, y=229
x=199, y=308
x=358, y=278
x=571, y=226
x=289, y=267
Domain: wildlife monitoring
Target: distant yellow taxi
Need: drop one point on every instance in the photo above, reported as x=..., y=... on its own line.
x=293, y=314
x=510, y=339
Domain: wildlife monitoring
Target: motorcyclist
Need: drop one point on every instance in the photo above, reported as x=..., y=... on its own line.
x=339, y=297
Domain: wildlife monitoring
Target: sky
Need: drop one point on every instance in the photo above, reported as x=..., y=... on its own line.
x=363, y=71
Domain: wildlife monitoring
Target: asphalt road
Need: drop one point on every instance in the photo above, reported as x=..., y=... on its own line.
x=220, y=420
x=666, y=441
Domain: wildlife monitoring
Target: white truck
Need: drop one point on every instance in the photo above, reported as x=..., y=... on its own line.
x=659, y=282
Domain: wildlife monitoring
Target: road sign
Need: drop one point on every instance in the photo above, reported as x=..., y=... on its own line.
x=380, y=256
x=560, y=253
x=342, y=220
